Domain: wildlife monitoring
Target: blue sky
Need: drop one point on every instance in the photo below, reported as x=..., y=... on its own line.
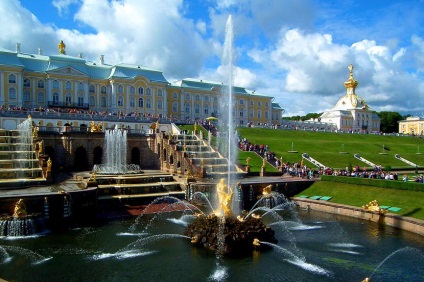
x=294, y=50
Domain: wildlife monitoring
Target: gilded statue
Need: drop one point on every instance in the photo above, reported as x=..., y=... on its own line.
x=20, y=209
x=225, y=197
x=247, y=161
x=62, y=47
x=267, y=190
x=49, y=165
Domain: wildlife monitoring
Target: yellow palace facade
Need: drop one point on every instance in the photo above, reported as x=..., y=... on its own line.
x=61, y=82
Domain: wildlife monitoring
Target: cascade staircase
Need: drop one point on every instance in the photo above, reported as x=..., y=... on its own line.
x=357, y=156
x=312, y=160
x=405, y=161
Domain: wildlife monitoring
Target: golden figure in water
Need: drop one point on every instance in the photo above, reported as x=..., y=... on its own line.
x=225, y=197
x=20, y=209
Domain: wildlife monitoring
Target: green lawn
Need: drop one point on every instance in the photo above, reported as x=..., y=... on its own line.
x=410, y=202
x=325, y=147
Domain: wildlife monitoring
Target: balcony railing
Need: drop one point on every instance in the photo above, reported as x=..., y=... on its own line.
x=54, y=104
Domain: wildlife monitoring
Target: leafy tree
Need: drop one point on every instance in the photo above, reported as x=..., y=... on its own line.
x=389, y=121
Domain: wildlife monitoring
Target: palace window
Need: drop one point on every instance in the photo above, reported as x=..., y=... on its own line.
x=12, y=93
x=92, y=101
x=120, y=89
x=140, y=103
x=92, y=88
x=259, y=104
x=104, y=102
x=148, y=103
x=27, y=96
x=197, y=98
x=241, y=102
x=175, y=95
x=175, y=107
x=187, y=108
x=27, y=82
x=187, y=96
x=68, y=99
x=40, y=97
x=12, y=78
x=81, y=86
x=103, y=90
x=80, y=100
x=55, y=84
x=40, y=84
x=266, y=114
x=132, y=89
x=141, y=90
x=120, y=101
x=132, y=102
x=251, y=103
x=148, y=92
x=266, y=104
x=241, y=113
x=197, y=108
x=206, y=110
x=160, y=104
x=160, y=92
x=55, y=98
x=68, y=85
x=215, y=99
x=252, y=113
x=206, y=98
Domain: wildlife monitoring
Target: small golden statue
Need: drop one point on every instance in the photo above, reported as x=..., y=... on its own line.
x=267, y=190
x=20, y=209
x=256, y=242
x=374, y=206
x=247, y=161
x=62, y=47
x=225, y=197
x=35, y=132
x=49, y=165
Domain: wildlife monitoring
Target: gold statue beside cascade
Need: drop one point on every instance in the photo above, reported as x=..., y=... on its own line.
x=225, y=197
x=267, y=190
x=374, y=206
x=20, y=209
x=96, y=128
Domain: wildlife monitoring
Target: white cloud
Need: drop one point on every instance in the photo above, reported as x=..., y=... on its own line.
x=62, y=6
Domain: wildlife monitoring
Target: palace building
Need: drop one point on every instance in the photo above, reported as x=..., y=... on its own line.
x=64, y=82
x=412, y=125
x=351, y=113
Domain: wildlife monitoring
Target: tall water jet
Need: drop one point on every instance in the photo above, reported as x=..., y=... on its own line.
x=227, y=140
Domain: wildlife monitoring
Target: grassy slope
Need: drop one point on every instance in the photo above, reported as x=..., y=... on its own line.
x=326, y=147
x=411, y=202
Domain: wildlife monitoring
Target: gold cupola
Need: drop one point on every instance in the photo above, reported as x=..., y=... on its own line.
x=350, y=83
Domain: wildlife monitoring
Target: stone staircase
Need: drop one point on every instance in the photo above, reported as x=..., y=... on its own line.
x=357, y=156
x=406, y=161
x=305, y=156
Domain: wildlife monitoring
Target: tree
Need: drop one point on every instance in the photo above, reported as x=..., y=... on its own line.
x=389, y=121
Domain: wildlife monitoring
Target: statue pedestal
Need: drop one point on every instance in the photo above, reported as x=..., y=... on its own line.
x=49, y=177
x=247, y=168
x=263, y=172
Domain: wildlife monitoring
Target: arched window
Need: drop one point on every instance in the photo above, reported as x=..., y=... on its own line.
x=197, y=98
x=68, y=99
x=175, y=106
x=27, y=82
x=103, y=90
x=160, y=92
x=148, y=103
x=55, y=83
x=120, y=101
x=187, y=107
x=80, y=100
x=120, y=89
x=252, y=113
x=27, y=96
x=148, y=92
x=215, y=99
x=266, y=114
x=92, y=88
x=104, y=102
x=81, y=86
x=40, y=97
x=132, y=102
x=196, y=108
x=175, y=95
x=259, y=104
x=241, y=112
x=187, y=96
x=12, y=93
x=160, y=104
x=141, y=90
x=55, y=98
x=140, y=103
x=259, y=114
x=241, y=101
x=12, y=78
x=132, y=89
x=206, y=98
x=206, y=110
x=68, y=85
x=92, y=101
x=266, y=104
x=251, y=103
x=40, y=84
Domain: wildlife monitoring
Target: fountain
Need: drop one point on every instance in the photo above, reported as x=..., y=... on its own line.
x=19, y=224
x=115, y=154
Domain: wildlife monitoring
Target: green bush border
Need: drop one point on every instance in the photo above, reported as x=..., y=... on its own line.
x=381, y=183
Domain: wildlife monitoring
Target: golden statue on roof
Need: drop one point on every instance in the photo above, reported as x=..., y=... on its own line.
x=62, y=47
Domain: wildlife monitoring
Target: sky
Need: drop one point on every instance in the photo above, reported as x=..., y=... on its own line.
x=297, y=51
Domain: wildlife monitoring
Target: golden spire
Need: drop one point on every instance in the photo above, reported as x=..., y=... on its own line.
x=62, y=47
x=350, y=83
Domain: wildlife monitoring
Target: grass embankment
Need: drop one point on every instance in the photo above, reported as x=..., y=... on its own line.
x=410, y=202
x=325, y=147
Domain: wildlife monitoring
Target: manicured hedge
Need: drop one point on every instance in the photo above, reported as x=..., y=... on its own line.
x=382, y=183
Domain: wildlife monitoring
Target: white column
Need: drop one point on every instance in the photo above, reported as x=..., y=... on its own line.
x=34, y=94
x=86, y=92
x=2, y=85
x=127, y=102
x=154, y=106
x=49, y=94
x=20, y=90
x=165, y=102
x=112, y=99
x=76, y=85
